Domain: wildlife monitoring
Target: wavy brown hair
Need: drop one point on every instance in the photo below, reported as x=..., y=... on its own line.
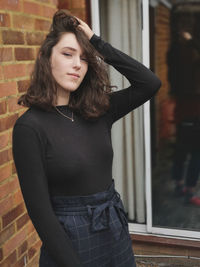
x=91, y=98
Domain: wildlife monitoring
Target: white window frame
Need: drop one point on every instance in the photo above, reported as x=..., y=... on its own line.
x=133, y=227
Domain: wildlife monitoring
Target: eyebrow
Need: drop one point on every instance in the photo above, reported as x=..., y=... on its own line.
x=71, y=48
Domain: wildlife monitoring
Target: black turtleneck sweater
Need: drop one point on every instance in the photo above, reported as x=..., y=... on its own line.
x=55, y=156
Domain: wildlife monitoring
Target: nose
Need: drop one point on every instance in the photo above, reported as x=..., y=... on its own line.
x=77, y=62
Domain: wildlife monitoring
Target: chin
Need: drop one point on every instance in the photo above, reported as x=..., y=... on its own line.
x=69, y=88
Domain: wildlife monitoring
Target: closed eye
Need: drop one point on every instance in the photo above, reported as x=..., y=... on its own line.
x=67, y=54
x=84, y=59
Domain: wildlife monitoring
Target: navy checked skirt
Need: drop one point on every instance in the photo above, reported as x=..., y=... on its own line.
x=98, y=228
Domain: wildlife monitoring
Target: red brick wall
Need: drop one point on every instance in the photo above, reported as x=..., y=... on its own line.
x=79, y=8
x=23, y=26
x=165, y=105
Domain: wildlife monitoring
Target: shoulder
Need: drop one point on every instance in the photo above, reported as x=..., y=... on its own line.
x=31, y=118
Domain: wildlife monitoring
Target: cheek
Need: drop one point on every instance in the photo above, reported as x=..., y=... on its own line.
x=57, y=63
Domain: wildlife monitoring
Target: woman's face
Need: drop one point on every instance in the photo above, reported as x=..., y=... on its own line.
x=68, y=63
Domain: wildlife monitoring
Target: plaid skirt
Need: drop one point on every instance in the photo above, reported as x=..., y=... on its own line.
x=98, y=228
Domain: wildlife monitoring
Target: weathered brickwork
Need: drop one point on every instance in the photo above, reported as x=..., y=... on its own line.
x=23, y=26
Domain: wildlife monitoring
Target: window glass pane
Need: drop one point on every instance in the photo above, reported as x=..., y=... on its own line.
x=175, y=115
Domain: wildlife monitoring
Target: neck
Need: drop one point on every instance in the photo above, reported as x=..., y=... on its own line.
x=62, y=97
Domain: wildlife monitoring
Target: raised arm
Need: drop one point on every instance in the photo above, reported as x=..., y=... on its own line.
x=144, y=83
x=28, y=157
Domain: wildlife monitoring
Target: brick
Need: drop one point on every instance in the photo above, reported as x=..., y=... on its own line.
x=20, y=262
x=32, y=8
x=23, y=85
x=4, y=139
x=63, y=4
x=48, y=12
x=5, y=172
x=37, y=51
x=2, y=111
x=34, y=261
x=42, y=25
x=14, y=185
x=54, y=2
x=12, y=37
x=10, y=137
x=22, y=248
x=7, y=89
x=4, y=20
x=29, y=69
x=18, y=197
x=8, y=187
x=13, y=214
x=22, y=221
x=33, y=239
x=78, y=4
x=34, y=38
x=1, y=37
x=14, y=242
x=14, y=71
x=11, y=259
x=31, y=229
x=33, y=250
x=13, y=168
x=23, y=22
x=1, y=73
x=11, y=5
x=4, y=190
x=1, y=254
x=6, y=204
x=6, y=54
x=12, y=104
x=8, y=122
x=6, y=234
x=24, y=53
x=80, y=13
x=5, y=156
x=20, y=113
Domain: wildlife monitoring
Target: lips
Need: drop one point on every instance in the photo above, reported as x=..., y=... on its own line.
x=75, y=75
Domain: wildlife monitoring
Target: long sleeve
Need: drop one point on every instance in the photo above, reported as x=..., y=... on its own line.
x=144, y=83
x=28, y=158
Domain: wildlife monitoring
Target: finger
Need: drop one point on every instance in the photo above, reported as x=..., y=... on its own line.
x=79, y=20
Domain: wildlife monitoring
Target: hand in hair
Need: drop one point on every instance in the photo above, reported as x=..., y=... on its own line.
x=85, y=28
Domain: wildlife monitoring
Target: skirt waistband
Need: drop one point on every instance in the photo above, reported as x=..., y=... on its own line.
x=76, y=202
x=102, y=208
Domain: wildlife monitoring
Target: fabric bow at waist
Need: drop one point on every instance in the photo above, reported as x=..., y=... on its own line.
x=110, y=214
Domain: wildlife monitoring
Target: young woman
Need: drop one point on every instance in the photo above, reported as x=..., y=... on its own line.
x=62, y=146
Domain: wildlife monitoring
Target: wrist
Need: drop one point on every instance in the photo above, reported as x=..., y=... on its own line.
x=90, y=34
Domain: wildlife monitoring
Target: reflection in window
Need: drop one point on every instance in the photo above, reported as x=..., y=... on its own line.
x=176, y=159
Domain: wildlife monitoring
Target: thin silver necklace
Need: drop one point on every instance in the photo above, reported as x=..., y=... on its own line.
x=72, y=119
